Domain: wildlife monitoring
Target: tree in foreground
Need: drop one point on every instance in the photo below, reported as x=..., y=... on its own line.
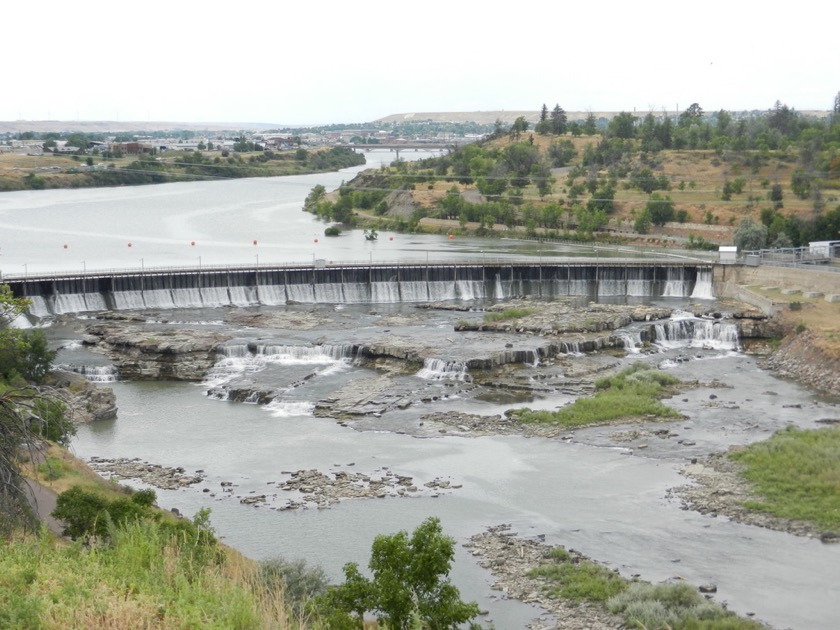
x=410, y=585
x=27, y=416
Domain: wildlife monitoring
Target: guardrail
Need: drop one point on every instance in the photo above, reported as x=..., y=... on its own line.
x=822, y=257
x=320, y=263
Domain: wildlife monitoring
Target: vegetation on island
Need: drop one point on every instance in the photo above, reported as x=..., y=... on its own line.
x=568, y=576
x=633, y=393
x=759, y=179
x=796, y=474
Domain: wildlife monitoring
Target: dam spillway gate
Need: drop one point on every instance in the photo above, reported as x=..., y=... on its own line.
x=58, y=294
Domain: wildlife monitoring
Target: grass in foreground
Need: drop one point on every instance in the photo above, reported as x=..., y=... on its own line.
x=797, y=472
x=632, y=393
x=145, y=578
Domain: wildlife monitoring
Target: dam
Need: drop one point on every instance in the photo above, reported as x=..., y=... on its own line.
x=341, y=283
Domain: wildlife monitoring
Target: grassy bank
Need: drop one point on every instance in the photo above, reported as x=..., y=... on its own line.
x=133, y=565
x=144, y=578
x=631, y=394
x=797, y=474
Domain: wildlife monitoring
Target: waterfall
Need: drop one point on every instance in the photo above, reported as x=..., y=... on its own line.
x=237, y=359
x=631, y=339
x=94, y=373
x=441, y=370
x=675, y=285
x=384, y=284
x=703, y=287
x=685, y=330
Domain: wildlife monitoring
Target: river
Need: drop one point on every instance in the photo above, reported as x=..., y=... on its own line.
x=588, y=493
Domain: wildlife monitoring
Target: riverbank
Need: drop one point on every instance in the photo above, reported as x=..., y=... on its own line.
x=49, y=171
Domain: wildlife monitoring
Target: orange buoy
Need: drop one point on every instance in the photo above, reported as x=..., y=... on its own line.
x=451, y=236
x=316, y=240
x=255, y=241
x=129, y=244
x=65, y=246
x=390, y=238
x=192, y=243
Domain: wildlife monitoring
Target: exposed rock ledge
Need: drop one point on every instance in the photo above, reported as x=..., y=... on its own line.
x=86, y=402
x=800, y=357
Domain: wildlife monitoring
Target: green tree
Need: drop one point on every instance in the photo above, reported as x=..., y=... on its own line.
x=660, y=209
x=520, y=125
x=750, y=235
x=559, y=121
x=561, y=153
x=622, y=126
x=692, y=115
x=543, y=127
x=643, y=222
x=10, y=306
x=410, y=584
x=590, y=127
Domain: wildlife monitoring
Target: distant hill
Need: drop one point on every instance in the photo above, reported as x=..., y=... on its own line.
x=114, y=126
x=482, y=117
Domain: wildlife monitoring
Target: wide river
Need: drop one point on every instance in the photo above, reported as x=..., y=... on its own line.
x=588, y=493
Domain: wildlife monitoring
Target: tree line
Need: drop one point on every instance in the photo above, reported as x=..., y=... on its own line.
x=518, y=187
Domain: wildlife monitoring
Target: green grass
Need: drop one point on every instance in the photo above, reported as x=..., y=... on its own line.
x=674, y=606
x=508, y=314
x=632, y=393
x=797, y=474
x=642, y=605
x=52, y=469
x=579, y=581
x=146, y=577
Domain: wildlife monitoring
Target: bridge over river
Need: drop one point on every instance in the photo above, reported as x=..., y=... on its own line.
x=358, y=283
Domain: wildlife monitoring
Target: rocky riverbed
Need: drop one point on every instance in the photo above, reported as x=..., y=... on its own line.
x=559, y=349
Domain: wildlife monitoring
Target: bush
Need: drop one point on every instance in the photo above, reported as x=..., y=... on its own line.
x=298, y=582
x=89, y=514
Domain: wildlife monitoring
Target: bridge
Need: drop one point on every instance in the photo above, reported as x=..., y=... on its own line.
x=408, y=146
x=358, y=283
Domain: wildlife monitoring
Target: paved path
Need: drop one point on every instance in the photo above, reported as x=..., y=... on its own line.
x=43, y=501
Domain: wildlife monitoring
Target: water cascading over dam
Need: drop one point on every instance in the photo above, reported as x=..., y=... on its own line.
x=356, y=284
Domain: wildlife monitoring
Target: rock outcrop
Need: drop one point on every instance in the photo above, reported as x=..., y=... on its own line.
x=801, y=358
x=85, y=401
x=148, y=353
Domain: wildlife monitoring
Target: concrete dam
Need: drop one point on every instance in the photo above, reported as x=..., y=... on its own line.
x=337, y=283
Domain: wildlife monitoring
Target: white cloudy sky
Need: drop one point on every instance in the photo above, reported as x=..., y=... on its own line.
x=317, y=61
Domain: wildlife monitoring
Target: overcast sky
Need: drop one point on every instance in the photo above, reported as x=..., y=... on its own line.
x=318, y=62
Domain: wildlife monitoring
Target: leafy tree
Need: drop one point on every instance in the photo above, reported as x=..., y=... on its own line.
x=622, y=126
x=10, y=306
x=410, y=585
x=520, y=125
x=660, y=209
x=542, y=177
x=692, y=115
x=750, y=235
x=643, y=222
x=561, y=153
